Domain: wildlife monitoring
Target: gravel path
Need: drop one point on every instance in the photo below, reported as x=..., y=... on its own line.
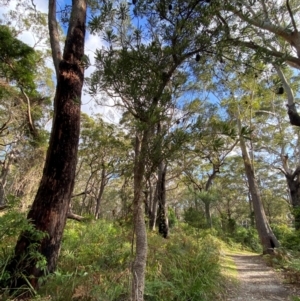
x=258, y=282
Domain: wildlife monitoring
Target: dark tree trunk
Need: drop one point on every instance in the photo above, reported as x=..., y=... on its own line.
x=49, y=209
x=147, y=200
x=294, y=187
x=162, y=219
x=153, y=216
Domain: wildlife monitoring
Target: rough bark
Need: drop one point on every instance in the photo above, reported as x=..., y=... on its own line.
x=50, y=207
x=266, y=235
x=139, y=263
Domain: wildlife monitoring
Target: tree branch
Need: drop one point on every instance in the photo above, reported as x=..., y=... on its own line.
x=75, y=217
x=291, y=60
x=291, y=15
x=54, y=35
x=292, y=111
x=263, y=24
x=81, y=193
x=31, y=124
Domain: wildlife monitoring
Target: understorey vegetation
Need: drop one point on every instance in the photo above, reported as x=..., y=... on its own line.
x=140, y=141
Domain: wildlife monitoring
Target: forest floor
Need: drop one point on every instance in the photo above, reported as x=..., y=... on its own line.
x=258, y=282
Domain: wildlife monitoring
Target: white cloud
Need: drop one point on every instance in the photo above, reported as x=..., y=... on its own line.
x=89, y=106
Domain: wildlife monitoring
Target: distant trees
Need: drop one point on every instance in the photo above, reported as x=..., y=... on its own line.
x=103, y=150
x=160, y=73
x=23, y=107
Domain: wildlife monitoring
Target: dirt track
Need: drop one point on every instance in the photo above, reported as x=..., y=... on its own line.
x=258, y=282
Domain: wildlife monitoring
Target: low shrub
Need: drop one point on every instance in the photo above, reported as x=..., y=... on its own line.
x=183, y=268
x=248, y=238
x=95, y=264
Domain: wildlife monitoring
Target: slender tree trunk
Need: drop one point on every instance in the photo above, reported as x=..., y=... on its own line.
x=49, y=209
x=82, y=207
x=208, y=214
x=163, y=227
x=267, y=237
x=101, y=190
x=147, y=202
x=251, y=212
x=139, y=263
x=212, y=176
x=3, y=176
x=154, y=210
x=124, y=196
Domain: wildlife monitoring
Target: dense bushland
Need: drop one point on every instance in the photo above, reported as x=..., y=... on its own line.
x=96, y=256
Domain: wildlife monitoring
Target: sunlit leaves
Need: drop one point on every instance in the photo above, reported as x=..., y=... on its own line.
x=17, y=60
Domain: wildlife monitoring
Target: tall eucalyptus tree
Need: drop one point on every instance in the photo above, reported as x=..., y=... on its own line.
x=49, y=209
x=140, y=69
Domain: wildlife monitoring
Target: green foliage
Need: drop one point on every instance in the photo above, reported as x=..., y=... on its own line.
x=288, y=237
x=95, y=265
x=12, y=223
x=195, y=218
x=17, y=60
x=172, y=218
x=247, y=237
x=183, y=268
x=96, y=257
